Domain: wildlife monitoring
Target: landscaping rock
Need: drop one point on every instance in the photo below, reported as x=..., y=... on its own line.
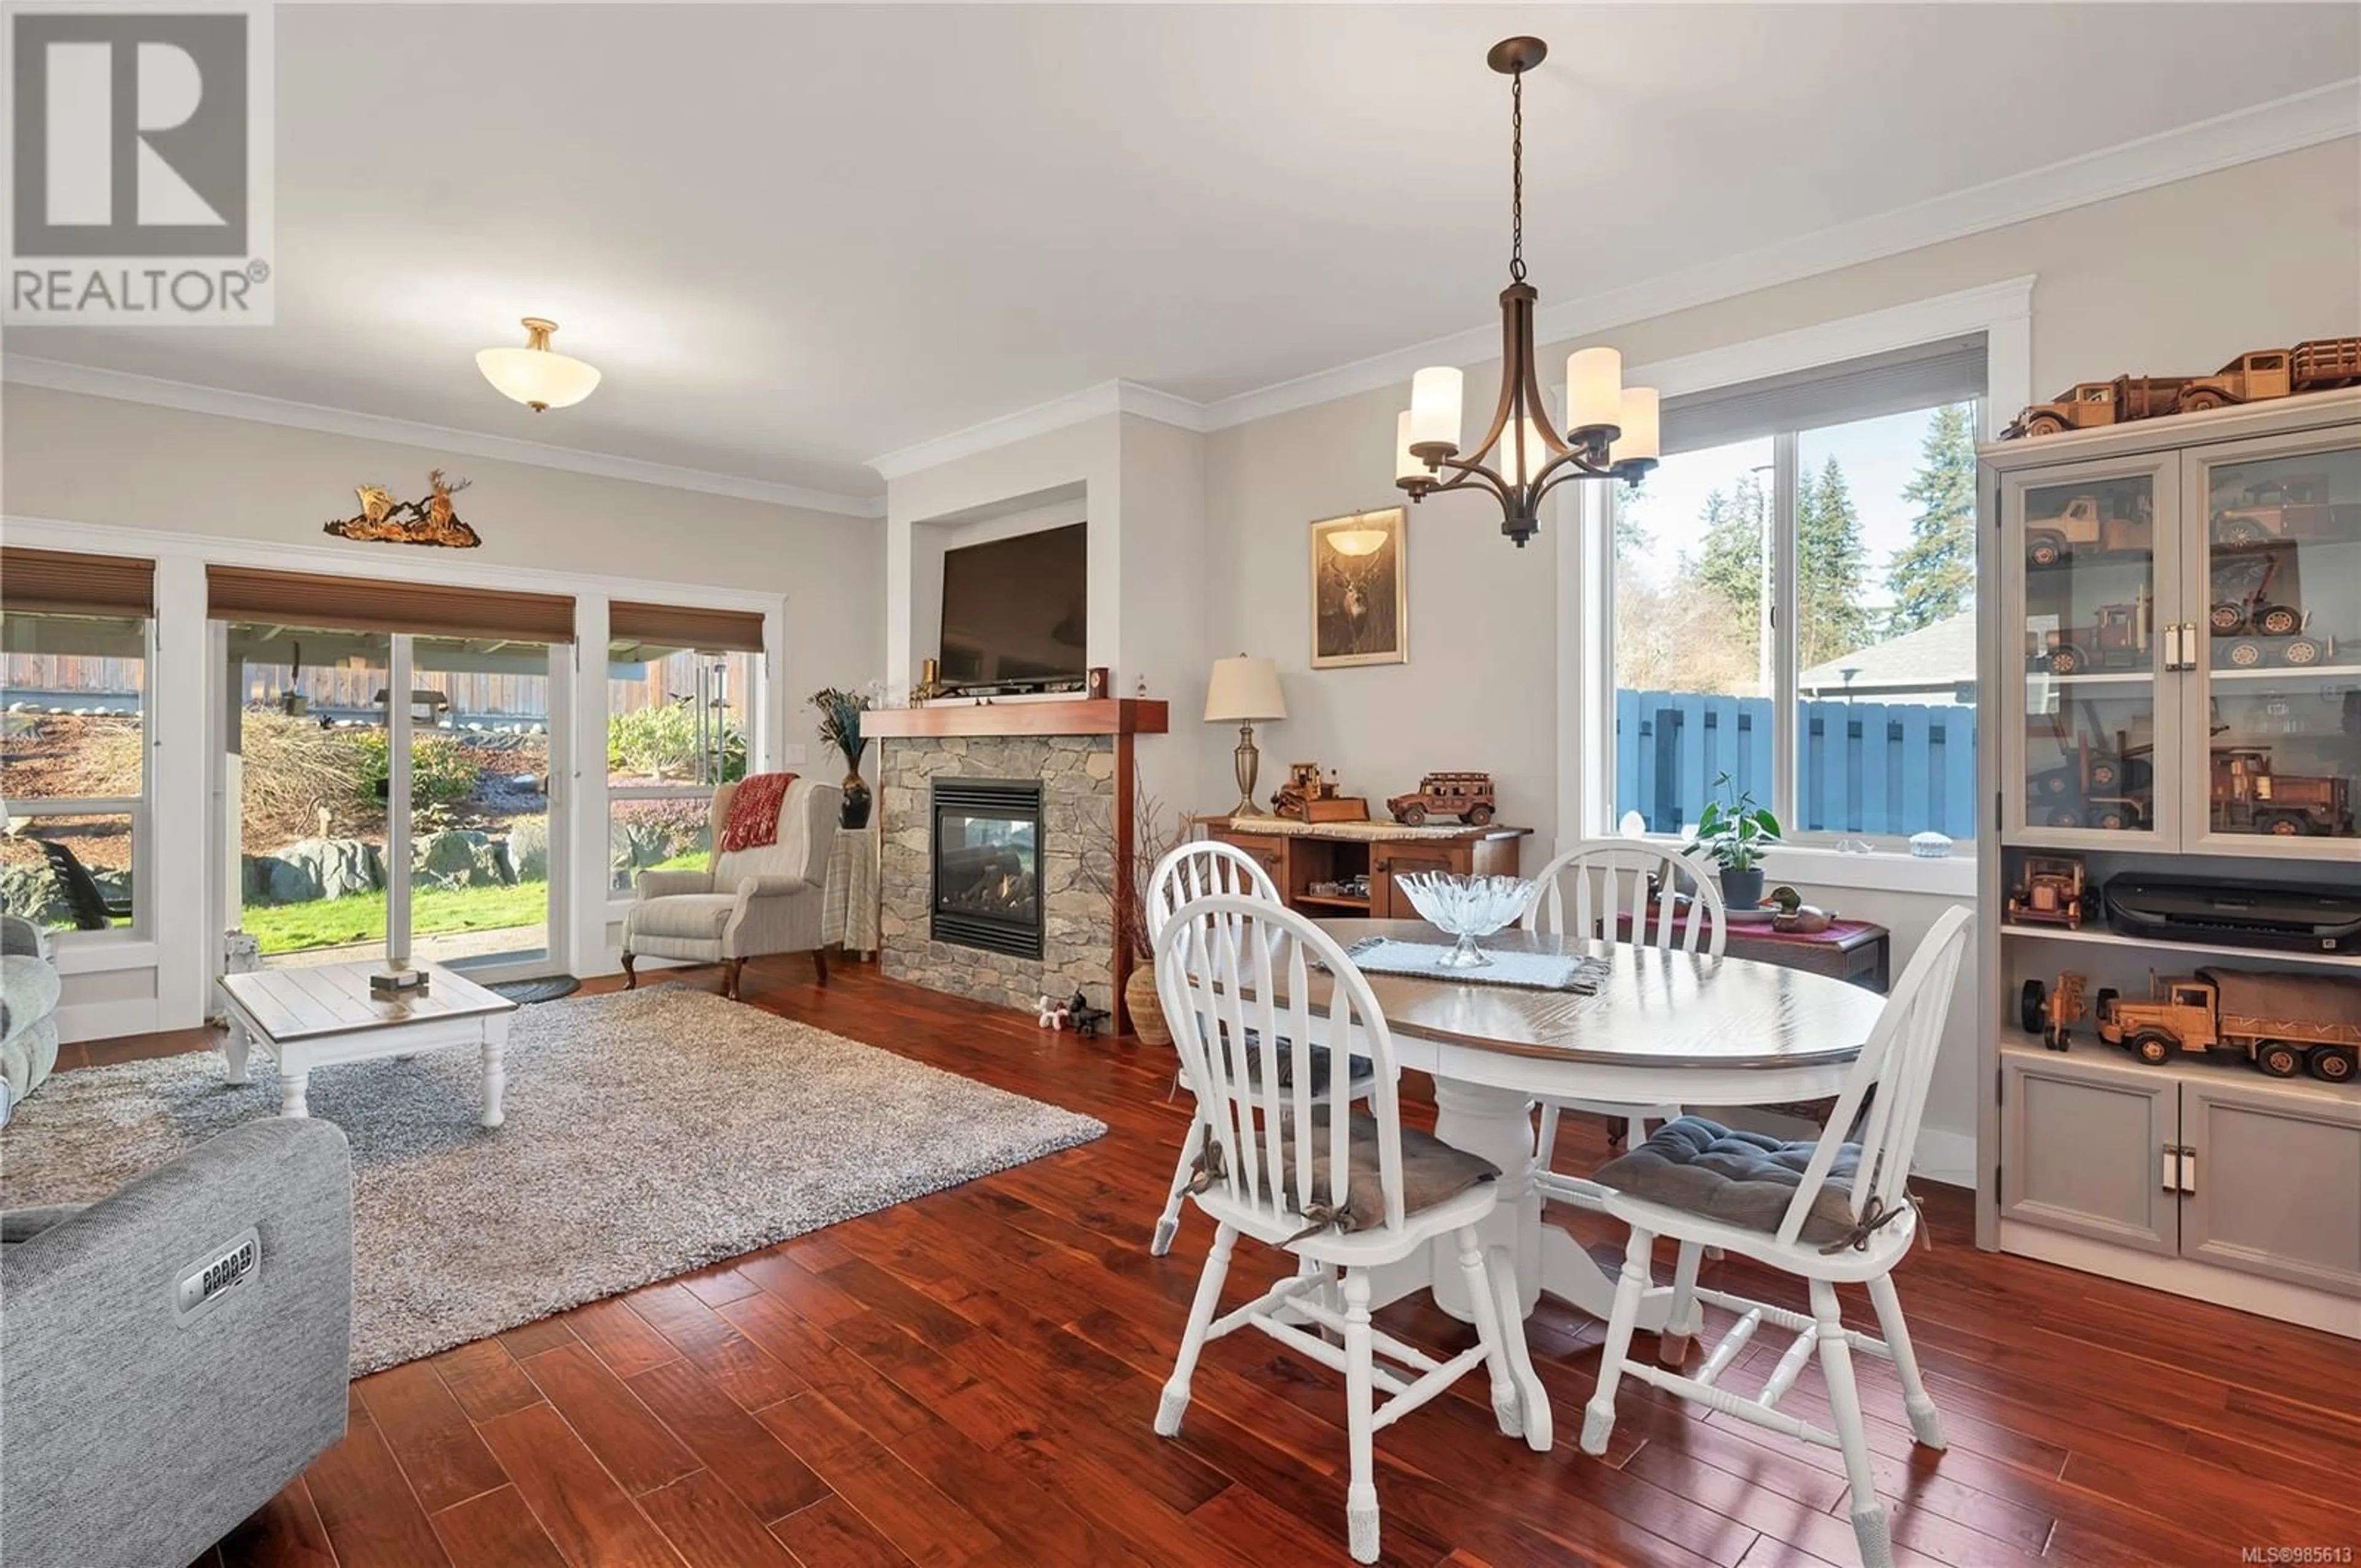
x=31, y=892
x=461, y=857
x=314, y=868
x=529, y=849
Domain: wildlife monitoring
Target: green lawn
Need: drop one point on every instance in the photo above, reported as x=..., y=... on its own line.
x=331, y=922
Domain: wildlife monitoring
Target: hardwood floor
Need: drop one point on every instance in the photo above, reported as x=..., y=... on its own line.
x=969, y=1379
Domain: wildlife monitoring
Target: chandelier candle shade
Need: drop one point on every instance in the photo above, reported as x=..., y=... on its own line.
x=1242, y=690
x=536, y=374
x=1610, y=429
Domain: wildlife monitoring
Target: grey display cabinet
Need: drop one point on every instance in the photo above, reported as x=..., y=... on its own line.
x=2169, y=680
x=2206, y=1162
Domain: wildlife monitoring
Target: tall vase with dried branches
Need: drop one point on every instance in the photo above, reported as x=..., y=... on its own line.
x=1151, y=839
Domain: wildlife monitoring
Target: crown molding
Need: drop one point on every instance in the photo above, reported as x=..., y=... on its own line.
x=59, y=376
x=2286, y=125
x=1058, y=413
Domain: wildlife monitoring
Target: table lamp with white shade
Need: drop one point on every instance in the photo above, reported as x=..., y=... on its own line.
x=1242, y=690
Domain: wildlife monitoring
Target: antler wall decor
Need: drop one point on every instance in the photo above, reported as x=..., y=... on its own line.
x=431, y=520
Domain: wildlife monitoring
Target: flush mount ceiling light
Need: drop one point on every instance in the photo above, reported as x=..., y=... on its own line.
x=1610, y=427
x=536, y=374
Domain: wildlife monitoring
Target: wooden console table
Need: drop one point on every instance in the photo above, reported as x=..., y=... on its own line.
x=1298, y=854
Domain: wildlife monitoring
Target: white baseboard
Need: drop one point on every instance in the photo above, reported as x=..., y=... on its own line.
x=83, y=1021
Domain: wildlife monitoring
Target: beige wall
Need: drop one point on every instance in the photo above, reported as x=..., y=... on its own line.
x=2181, y=276
x=2178, y=278
x=69, y=459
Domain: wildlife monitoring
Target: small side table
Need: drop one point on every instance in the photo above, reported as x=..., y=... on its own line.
x=848, y=905
x=1856, y=951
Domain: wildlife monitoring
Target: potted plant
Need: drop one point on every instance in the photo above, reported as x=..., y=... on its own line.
x=840, y=726
x=1733, y=832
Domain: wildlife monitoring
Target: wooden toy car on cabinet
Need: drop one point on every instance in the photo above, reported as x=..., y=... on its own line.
x=1308, y=798
x=2084, y=526
x=2049, y=892
x=2248, y=797
x=2318, y=365
x=2284, y=1023
x=2116, y=639
x=2052, y=1012
x=2296, y=507
x=1467, y=796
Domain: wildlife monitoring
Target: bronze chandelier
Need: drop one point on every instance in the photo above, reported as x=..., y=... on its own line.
x=1612, y=429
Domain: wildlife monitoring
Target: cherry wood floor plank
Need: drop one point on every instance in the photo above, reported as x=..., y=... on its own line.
x=497, y=1527
x=285, y=1532
x=922, y=1522
x=620, y=1337
x=832, y=1534
x=736, y=1448
x=638, y=1448
x=367, y=1509
x=585, y=1512
x=430, y=1435
x=485, y=1378
x=531, y=1339
x=850, y=1384
x=714, y=1346
x=717, y=1285
x=711, y=1527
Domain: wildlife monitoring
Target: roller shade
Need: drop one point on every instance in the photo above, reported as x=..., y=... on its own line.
x=65, y=582
x=365, y=604
x=707, y=631
x=1951, y=371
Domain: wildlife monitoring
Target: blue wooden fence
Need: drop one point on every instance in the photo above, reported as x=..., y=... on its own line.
x=1863, y=767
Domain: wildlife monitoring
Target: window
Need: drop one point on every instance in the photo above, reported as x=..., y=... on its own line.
x=678, y=722
x=1794, y=611
x=73, y=753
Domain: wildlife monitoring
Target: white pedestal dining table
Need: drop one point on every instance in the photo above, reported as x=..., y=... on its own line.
x=1661, y=1028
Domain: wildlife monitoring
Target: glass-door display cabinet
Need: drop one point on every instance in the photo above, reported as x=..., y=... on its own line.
x=2168, y=968
x=2184, y=662
x=2277, y=669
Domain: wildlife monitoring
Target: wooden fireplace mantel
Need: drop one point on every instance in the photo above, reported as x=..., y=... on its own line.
x=1083, y=716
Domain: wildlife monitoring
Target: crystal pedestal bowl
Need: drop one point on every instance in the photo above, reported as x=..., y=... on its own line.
x=1467, y=907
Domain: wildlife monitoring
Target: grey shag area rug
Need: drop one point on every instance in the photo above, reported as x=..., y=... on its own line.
x=648, y=1133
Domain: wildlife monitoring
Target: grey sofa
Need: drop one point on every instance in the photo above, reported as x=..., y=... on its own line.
x=28, y=1005
x=135, y=1430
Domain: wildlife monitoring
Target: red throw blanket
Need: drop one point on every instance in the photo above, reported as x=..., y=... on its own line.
x=755, y=812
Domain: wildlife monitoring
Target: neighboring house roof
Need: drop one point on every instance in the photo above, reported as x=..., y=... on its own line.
x=1933, y=660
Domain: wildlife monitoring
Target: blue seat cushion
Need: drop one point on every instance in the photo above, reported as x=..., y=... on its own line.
x=1736, y=1177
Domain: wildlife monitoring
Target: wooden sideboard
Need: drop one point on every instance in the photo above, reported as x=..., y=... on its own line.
x=1297, y=855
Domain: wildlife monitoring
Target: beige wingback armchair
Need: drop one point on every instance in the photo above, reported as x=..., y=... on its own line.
x=751, y=902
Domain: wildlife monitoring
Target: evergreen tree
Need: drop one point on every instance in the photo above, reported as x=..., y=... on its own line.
x=1632, y=537
x=1831, y=563
x=1728, y=562
x=1933, y=577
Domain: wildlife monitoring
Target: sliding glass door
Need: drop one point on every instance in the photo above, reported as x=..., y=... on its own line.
x=344, y=853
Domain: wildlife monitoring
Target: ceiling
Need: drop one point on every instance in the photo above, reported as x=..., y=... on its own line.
x=797, y=238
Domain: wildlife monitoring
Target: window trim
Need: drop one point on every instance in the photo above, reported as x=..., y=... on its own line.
x=2002, y=311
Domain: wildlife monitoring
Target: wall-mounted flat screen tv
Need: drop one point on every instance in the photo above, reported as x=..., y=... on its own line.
x=1017, y=610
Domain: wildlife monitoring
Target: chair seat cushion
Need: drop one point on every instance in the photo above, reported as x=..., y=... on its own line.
x=1433, y=1171
x=695, y=916
x=1734, y=1177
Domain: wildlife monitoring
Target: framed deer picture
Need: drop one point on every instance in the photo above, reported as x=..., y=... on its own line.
x=1360, y=590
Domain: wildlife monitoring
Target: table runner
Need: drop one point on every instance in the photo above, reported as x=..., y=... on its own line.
x=1531, y=971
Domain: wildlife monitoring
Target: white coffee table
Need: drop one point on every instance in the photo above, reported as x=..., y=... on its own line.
x=306, y=1018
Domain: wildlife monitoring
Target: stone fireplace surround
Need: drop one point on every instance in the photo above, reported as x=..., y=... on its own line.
x=1080, y=752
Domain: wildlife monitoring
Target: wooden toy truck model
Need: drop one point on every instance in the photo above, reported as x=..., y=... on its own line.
x=2284, y=1023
